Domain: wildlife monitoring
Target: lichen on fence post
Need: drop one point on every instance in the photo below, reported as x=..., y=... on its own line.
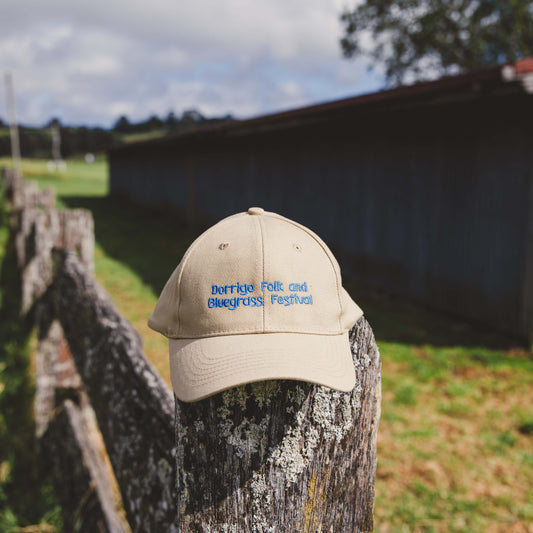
x=279, y=456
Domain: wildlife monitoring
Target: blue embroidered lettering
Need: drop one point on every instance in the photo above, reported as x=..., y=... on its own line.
x=242, y=290
x=236, y=288
x=272, y=287
x=298, y=287
x=233, y=303
x=293, y=299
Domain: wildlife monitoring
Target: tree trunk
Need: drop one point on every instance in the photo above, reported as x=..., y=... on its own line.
x=279, y=456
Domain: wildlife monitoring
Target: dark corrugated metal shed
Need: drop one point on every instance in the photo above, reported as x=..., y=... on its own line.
x=425, y=190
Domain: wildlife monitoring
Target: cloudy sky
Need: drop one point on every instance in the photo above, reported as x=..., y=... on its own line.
x=90, y=61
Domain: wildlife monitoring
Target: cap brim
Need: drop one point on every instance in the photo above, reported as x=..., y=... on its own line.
x=202, y=367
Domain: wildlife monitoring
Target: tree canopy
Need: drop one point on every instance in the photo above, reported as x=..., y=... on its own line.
x=423, y=39
x=122, y=124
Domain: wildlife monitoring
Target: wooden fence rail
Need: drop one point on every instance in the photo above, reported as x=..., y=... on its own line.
x=133, y=405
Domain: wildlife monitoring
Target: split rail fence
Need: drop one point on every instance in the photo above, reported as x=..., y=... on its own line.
x=126, y=455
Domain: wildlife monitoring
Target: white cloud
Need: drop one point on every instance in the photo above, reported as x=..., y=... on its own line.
x=96, y=64
x=50, y=40
x=92, y=61
x=171, y=57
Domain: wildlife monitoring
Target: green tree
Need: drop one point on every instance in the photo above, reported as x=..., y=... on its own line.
x=153, y=123
x=122, y=125
x=171, y=121
x=192, y=116
x=422, y=39
x=54, y=121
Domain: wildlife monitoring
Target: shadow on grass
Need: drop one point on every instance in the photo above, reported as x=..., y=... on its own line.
x=398, y=319
x=26, y=493
x=152, y=242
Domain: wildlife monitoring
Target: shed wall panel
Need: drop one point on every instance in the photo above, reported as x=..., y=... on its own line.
x=431, y=203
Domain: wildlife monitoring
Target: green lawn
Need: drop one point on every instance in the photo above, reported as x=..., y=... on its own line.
x=79, y=178
x=455, y=444
x=143, y=136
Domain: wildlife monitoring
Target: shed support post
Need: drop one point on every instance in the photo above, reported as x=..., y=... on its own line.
x=527, y=307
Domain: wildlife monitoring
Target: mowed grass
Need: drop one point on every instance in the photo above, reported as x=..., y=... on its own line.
x=79, y=178
x=143, y=136
x=455, y=442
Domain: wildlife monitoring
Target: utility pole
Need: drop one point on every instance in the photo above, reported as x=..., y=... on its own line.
x=58, y=163
x=56, y=142
x=13, y=127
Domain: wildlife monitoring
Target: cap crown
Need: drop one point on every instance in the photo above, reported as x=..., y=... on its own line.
x=255, y=272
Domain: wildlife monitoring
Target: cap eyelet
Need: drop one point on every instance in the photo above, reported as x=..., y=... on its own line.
x=297, y=247
x=223, y=245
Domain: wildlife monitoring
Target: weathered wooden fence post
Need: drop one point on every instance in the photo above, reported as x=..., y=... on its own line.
x=133, y=404
x=279, y=453
x=68, y=440
x=279, y=456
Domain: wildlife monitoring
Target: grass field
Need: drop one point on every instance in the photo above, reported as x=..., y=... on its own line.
x=134, y=137
x=455, y=443
x=79, y=178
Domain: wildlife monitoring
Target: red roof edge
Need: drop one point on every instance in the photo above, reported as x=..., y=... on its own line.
x=523, y=66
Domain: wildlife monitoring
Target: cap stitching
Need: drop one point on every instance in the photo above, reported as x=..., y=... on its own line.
x=228, y=332
x=206, y=378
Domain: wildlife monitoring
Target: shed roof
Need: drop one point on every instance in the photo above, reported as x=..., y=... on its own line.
x=501, y=79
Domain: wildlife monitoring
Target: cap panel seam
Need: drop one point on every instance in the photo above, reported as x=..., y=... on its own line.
x=185, y=258
x=261, y=231
x=326, y=251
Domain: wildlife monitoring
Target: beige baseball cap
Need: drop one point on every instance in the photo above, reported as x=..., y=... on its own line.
x=256, y=297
